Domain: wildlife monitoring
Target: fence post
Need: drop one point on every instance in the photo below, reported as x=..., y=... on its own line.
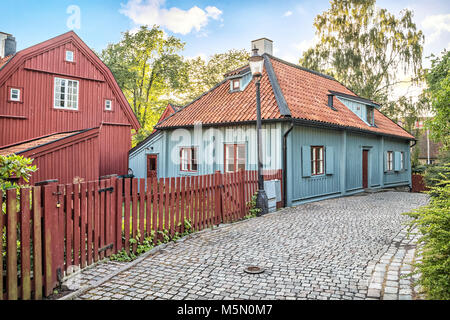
x=11, y=245
x=242, y=192
x=49, y=212
x=218, y=198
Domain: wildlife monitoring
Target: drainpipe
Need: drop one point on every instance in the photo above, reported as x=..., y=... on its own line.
x=285, y=161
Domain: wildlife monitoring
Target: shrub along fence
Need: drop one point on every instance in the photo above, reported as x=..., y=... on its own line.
x=49, y=230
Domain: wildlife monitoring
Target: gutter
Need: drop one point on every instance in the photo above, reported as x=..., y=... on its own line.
x=285, y=136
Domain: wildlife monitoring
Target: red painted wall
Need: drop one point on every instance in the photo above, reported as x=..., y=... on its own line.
x=35, y=116
x=65, y=160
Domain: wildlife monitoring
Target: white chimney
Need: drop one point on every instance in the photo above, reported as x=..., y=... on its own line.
x=263, y=45
x=7, y=45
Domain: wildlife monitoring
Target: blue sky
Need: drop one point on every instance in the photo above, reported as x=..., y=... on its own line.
x=206, y=26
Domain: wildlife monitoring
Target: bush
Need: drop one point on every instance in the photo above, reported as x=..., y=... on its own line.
x=433, y=174
x=433, y=222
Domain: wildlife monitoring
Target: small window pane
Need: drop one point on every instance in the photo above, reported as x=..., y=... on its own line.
x=69, y=56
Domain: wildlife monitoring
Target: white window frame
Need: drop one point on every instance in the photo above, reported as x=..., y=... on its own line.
x=11, y=95
x=317, y=163
x=110, y=105
x=72, y=55
x=66, y=95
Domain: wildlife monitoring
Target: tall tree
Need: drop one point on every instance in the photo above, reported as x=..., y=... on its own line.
x=365, y=47
x=205, y=75
x=149, y=70
x=438, y=80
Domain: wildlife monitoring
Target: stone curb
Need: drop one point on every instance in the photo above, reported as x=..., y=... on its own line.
x=129, y=265
x=155, y=250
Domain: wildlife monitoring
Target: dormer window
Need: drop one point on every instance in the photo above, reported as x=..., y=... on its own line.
x=236, y=84
x=69, y=56
x=370, y=115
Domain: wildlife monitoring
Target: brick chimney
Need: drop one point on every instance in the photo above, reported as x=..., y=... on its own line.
x=263, y=45
x=7, y=45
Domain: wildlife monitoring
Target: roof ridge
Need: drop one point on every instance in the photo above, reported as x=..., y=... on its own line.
x=301, y=68
x=278, y=93
x=190, y=103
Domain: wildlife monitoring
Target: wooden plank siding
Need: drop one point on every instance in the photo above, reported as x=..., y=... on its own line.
x=78, y=223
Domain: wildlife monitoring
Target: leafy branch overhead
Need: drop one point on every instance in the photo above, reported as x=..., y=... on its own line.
x=151, y=72
x=366, y=48
x=149, y=69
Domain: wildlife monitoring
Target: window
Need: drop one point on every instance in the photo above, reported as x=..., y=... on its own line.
x=235, y=157
x=390, y=161
x=188, y=159
x=14, y=94
x=370, y=115
x=402, y=161
x=317, y=161
x=236, y=84
x=66, y=94
x=108, y=105
x=69, y=56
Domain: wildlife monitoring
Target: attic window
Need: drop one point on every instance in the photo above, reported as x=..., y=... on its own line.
x=370, y=115
x=69, y=56
x=108, y=105
x=236, y=84
x=15, y=94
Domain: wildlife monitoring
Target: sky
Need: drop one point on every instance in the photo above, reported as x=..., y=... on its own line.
x=206, y=26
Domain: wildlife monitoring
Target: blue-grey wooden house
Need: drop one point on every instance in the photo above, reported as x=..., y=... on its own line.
x=327, y=140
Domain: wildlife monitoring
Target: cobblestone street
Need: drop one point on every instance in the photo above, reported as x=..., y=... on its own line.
x=346, y=248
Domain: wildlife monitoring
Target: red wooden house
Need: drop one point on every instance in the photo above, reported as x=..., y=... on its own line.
x=60, y=105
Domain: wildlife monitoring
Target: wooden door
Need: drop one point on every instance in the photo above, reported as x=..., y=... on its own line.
x=365, y=167
x=152, y=166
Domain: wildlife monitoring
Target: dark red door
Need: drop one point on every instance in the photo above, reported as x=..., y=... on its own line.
x=365, y=167
x=152, y=166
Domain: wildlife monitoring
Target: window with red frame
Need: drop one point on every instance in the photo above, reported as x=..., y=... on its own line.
x=235, y=157
x=317, y=161
x=188, y=161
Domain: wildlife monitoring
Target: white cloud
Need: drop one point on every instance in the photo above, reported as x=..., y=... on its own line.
x=436, y=24
x=151, y=12
x=306, y=44
x=288, y=13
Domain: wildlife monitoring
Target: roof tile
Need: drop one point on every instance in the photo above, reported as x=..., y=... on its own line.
x=306, y=93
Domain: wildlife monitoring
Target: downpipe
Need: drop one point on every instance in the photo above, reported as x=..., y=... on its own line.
x=285, y=136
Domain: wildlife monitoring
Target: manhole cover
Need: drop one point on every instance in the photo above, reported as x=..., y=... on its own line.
x=254, y=270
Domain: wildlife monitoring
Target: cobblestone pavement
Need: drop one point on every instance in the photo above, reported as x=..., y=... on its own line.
x=347, y=248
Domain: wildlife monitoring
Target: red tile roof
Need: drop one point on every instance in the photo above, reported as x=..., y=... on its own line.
x=306, y=93
x=4, y=61
x=31, y=144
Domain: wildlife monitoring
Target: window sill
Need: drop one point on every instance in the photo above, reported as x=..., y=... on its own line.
x=15, y=101
x=64, y=109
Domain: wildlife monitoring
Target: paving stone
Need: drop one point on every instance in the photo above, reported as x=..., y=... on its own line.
x=343, y=248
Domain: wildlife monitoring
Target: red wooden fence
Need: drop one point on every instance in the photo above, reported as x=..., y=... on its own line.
x=53, y=228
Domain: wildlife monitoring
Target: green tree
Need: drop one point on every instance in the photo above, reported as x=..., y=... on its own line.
x=149, y=70
x=365, y=48
x=438, y=80
x=205, y=75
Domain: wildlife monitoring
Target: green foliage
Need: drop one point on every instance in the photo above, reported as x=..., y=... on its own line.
x=147, y=244
x=205, y=75
x=435, y=173
x=148, y=69
x=251, y=205
x=433, y=222
x=438, y=80
x=14, y=166
x=366, y=47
